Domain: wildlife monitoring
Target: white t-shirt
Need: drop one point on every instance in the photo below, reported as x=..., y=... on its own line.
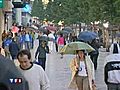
x=82, y=69
x=36, y=77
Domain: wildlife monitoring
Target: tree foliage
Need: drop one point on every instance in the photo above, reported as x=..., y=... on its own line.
x=74, y=11
x=38, y=9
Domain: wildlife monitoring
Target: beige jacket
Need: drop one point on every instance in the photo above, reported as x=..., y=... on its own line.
x=90, y=70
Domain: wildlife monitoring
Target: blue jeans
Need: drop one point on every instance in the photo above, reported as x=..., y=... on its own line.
x=42, y=62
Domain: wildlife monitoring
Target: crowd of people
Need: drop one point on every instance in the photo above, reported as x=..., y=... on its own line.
x=13, y=42
x=83, y=67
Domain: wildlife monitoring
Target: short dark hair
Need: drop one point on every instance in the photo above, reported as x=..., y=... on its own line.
x=24, y=52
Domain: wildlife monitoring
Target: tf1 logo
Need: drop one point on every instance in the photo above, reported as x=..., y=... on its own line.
x=15, y=80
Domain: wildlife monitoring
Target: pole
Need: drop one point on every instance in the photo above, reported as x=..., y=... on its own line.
x=18, y=14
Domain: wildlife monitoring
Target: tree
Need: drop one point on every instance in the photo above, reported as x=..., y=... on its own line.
x=38, y=9
x=73, y=11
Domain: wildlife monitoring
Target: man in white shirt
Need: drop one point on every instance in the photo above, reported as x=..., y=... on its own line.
x=51, y=41
x=34, y=74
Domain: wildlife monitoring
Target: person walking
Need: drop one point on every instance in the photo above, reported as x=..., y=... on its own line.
x=112, y=46
x=33, y=39
x=56, y=45
x=112, y=68
x=4, y=35
x=27, y=40
x=94, y=54
x=34, y=74
x=82, y=72
x=61, y=43
x=5, y=46
x=14, y=49
x=51, y=43
x=21, y=40
x=41, y=52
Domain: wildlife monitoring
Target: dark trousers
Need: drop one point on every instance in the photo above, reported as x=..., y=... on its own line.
x=113, y=87
x=42, y=62
x=32, y=44
x=94, y=58
x=56, y=46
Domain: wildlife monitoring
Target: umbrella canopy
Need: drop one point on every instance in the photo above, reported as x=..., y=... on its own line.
x=51, y=28
x=62, y=32
x=15, y=29
x=73, y=46
x=87, y=36
x=43, y=30
x=43, y=38
x=31, y=28
x=68, y=29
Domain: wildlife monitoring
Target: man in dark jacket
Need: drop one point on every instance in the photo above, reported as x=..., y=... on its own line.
x=14, y=49
x=10, y=77
x=94, y=54
x=41, y=52
x=5, y=46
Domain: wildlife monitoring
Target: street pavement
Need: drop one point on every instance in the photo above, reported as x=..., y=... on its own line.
x=59, y=74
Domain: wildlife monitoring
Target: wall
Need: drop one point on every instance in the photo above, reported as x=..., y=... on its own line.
x=1, y=24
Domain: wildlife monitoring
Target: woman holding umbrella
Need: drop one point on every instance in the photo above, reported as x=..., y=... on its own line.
x=81, y=66
x=82, y=72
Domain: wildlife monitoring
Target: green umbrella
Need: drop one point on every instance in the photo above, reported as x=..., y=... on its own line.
x=72, y=47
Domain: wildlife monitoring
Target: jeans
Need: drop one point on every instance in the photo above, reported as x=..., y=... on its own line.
x=42, y=62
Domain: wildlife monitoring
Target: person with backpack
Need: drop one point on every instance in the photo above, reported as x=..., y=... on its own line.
x=5, y=46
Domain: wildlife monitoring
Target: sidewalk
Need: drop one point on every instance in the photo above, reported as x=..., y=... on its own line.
x=99, y=74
